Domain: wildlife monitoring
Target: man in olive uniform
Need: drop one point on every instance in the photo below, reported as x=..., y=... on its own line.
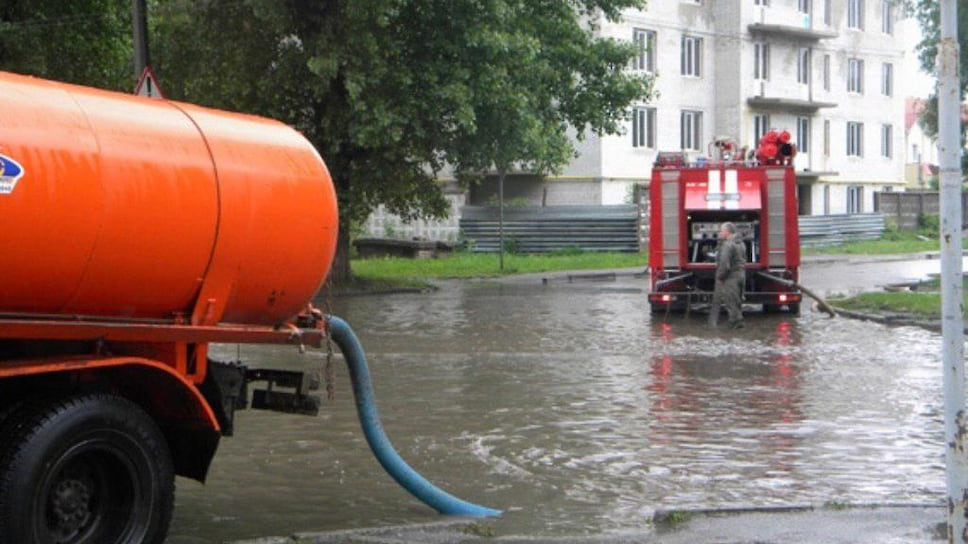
x=730, y=276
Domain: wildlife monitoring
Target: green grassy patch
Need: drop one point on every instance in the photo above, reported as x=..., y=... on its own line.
x=478, y=529
x=902, y=302
x=483, y=265
x=897, y=242
x=924, y=301
x=671, y=518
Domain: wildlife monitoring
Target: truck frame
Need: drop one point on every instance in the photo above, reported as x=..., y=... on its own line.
x=136, y=233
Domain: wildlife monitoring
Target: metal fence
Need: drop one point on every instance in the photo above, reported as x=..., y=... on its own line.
x=617, y=228
x=904, y=208
x=825, y=230
x=550, y=228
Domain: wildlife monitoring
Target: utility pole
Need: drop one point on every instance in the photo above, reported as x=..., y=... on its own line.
x=139, y=16
x=500, y=223
x=952, y=320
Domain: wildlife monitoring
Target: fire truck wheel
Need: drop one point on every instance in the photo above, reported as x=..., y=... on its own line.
x=92, y=469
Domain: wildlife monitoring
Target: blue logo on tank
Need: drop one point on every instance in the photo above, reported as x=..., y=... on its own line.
x=10, y=173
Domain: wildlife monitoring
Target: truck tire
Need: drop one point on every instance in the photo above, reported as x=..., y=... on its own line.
x=91, y=469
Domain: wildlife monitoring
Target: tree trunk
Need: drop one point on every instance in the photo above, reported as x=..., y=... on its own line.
x=340, y=272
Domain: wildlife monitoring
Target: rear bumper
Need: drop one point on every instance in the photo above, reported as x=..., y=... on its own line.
x=680, y=299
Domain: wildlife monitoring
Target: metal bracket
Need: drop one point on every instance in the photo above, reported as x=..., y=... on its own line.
x=297, y=401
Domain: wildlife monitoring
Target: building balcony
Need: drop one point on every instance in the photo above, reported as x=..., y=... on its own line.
x=791, y=32
x=812, y=176
x=789, y=105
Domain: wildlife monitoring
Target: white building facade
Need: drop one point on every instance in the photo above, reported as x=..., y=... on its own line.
x=824, y=70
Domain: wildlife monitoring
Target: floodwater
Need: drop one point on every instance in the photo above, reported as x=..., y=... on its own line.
x=576, y=411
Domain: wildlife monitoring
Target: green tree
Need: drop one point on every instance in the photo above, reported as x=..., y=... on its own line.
x=81, y=41
x=393, y=91
x=928, y=15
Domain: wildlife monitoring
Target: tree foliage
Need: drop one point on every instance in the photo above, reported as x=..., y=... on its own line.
x=81, y=41
x=928, y=14
x=392, y=92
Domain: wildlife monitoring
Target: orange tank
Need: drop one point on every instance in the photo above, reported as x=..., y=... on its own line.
x=118, y=206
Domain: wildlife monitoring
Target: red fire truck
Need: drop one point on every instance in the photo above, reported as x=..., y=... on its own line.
x=690, y=200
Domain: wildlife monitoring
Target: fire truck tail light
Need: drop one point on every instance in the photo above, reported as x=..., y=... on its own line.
x=666, y=298
x=782, y=298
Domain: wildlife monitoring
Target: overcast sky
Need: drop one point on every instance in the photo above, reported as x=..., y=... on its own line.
x=914, y=81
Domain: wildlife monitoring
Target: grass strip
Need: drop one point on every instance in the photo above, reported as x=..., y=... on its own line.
x=485, y=265
x=924, y=301
x=894, y=243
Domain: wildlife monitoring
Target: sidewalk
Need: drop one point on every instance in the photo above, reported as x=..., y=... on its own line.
x=566, y=276
x=886, y=524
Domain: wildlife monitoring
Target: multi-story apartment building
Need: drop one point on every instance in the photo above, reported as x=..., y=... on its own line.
x=825, y=70
x=828, y=71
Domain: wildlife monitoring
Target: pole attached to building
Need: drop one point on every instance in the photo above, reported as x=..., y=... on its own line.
x=952, y=320
x=139, y=16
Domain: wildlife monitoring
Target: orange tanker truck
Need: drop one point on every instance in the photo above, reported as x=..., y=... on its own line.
x=133, y=233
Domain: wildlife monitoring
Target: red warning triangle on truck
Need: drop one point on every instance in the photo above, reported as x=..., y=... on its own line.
x=148, y=85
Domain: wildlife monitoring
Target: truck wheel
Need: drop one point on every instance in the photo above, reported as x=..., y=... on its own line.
x=92, y=469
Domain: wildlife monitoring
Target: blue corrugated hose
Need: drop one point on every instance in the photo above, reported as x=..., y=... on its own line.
x=417, y=485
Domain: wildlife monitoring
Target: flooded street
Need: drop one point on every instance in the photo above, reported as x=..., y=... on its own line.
x=572, y=408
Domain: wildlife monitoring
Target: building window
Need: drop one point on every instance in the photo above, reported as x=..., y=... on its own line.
x=855, y=139
x=803, y=134
x=803, y=65
x=887, y=79
x=855, y=76
x=855, y=14
x=645, y=45
x=803, y=6
x=643, y=127
x=761, y=2
x=887, y=135
x=887, y=16
x=826, y=200
x=827, y=12
x=826, y=137
x=691, y=123
x=761, y=61
x=826, y=72
x=691, y=59
x=855, y=199
x=761, y=125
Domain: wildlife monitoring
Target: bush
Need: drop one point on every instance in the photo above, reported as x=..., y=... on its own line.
x=929, y=225
x=512, y=246
x=892, y=233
